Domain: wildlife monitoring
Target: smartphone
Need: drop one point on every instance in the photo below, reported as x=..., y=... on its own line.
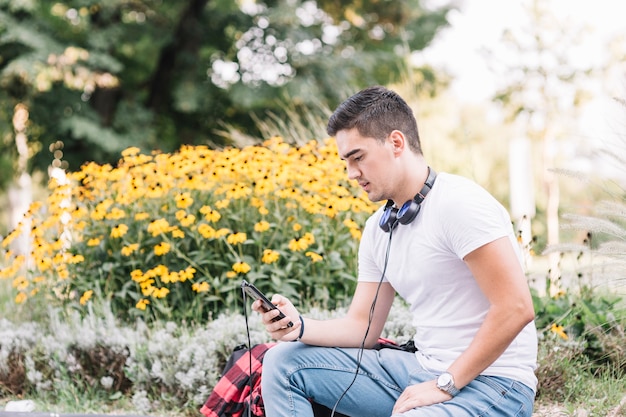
x=256, y=294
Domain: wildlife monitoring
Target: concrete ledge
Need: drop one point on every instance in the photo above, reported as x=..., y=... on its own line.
x=50, y=414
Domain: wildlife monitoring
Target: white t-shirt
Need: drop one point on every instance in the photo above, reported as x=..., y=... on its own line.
x=426, y=268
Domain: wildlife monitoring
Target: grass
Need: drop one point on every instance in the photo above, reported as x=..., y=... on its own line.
x=572, y=385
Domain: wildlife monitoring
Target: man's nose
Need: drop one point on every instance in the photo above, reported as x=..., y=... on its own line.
x=353, y=172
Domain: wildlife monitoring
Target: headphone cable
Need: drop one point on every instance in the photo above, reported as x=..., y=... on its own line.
x=245, y=314
x=369, y=323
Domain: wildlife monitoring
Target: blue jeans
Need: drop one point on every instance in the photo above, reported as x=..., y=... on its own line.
x=294, y=374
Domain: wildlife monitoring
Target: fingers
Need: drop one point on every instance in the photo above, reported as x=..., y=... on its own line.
x=419, y=395
x=285, y=328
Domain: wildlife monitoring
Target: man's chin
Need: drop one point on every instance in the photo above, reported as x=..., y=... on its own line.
x=375, y=198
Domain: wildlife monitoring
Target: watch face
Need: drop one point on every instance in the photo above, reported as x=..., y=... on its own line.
x=444, y=379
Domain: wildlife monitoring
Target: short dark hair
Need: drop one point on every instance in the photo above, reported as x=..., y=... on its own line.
x=376, y=112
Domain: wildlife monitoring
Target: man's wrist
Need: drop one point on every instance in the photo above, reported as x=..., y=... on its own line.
x=297, y=339
x=445, y=382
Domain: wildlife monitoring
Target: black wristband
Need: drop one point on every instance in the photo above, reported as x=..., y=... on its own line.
x=297, y=339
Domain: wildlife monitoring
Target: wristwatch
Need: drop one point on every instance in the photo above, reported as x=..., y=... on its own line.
x=445, y=382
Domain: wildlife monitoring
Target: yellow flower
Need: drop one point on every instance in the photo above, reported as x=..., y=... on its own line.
x=142, y=216
x=130, y=249
x=270, y=256
x=170, y=278
x=238, y=191
x=241, y=267
x=20, y=298
x=256, y=202
x=285, y=184
x=200, y=286
x=187, y=273
x=62, y=272
x=184, y=218
x=20, y=283
x=115, y=214
x=178, y=234
x=43, y=264
x=301, y=243
x=75, y=259
x=119, y=231
x=160, y=292
x=158, y=226
x=261, y=226
x=142, y=304
x=137, y=275
x=132, y=151
x=206, y=231
x=10, y=237
x=147, y=288
x=330, y=211
x=558, y=330
x=356, y=234
x=308, y=236
x=85, y=297
x=222, y=204
x=162, y=248
x=183, y=200
x=210, y=215
x=314, y=256
x=236, y=238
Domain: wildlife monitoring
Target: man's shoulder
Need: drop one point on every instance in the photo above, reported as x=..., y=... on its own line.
x=458, y=189
x=459, y=196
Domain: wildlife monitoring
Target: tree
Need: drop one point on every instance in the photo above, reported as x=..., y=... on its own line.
x=542, y=91
x=99, y=76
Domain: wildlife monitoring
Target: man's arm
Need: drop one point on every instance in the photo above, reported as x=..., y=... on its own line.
x=347, y=331
x=499, y=274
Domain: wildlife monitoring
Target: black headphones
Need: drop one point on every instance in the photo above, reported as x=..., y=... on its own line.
x=409, y=210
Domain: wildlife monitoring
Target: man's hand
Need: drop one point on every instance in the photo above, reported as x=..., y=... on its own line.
x=278, y=330
x=420, y=395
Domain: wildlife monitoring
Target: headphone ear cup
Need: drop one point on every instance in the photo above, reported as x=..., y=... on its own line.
x=388, y=219
x=408, y=212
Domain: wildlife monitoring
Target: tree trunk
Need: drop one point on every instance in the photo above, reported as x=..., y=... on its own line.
x=185, y=40
x=20, y=195
x=522, y=193
x=20, y=192
x=551, y=185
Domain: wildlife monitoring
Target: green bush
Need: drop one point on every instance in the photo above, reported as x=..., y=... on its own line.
x=170, y=236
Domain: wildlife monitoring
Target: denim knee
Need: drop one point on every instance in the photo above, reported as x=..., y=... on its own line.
x=278, y=360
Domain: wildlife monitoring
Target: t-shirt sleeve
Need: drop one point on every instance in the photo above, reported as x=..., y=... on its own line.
x=474, y=219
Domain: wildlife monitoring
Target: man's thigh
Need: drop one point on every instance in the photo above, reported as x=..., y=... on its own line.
x=484, y=397
x=360, y=381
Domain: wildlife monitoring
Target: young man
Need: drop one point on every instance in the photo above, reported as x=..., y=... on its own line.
x=451, y=253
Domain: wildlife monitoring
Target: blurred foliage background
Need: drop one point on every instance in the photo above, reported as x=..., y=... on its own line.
x=99, y=76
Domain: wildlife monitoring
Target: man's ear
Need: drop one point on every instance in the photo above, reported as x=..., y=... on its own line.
x=397, y=140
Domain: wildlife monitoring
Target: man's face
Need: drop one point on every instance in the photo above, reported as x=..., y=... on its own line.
x=368, y=161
